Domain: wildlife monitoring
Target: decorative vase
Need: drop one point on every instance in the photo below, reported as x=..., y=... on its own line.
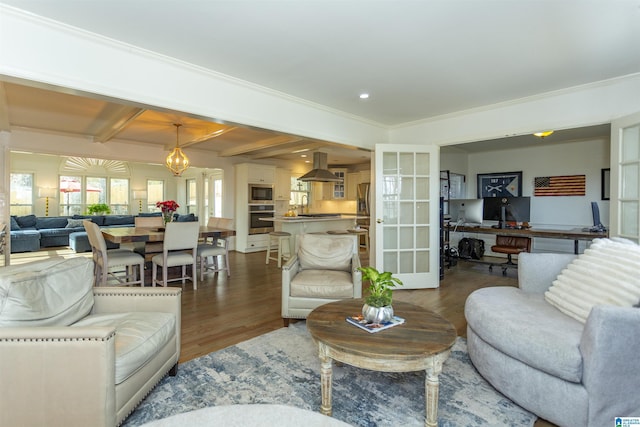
x=167, y=216
x=377, y=314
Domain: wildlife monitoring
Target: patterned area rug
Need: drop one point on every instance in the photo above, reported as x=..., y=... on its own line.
x=282, y=367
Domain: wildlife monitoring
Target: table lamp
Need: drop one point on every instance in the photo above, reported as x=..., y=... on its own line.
x=46, y=193
x=139, y=195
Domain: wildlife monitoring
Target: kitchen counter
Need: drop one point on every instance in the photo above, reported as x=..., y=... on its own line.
x=312, y=224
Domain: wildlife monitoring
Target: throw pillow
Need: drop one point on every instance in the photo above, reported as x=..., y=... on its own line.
x=14, y=224
x=318, y=252
x=605, y=274
x=74, y=223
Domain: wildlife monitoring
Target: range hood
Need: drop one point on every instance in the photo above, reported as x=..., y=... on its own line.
x=319, y=173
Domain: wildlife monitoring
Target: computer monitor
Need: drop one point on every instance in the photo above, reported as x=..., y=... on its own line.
x=507, y=209
x=466, y=211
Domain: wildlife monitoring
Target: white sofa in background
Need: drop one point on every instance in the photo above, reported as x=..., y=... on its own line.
x=76, y=355
x=564, y=345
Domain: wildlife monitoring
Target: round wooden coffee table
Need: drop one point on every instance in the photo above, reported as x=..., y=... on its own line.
x=423, y=342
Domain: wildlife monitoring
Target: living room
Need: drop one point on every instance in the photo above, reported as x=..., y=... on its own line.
x=56, y=53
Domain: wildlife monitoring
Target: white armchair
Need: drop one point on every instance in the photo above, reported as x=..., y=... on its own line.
x=324, y=269
x=72, y=354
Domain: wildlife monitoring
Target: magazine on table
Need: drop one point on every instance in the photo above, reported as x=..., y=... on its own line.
x=358, y=320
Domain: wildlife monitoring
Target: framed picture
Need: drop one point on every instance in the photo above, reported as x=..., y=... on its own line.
x=605, y=178
x=504, y=184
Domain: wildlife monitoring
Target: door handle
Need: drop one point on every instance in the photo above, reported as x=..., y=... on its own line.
x=379, y=221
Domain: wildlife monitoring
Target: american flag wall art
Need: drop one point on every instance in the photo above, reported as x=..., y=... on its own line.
x=569, y=185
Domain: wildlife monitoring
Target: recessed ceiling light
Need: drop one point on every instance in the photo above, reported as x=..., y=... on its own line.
x=364, y=96
x=307, y=161
x=543, y=134
x=303, y=155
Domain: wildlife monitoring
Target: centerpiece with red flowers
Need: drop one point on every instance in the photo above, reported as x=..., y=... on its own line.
x=168, y=207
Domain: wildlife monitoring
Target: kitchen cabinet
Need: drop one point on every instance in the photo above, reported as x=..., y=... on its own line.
x=261, y=174
x=339, y=189
x=282, y=190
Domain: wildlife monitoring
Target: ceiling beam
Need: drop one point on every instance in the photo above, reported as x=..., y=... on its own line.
x=305, y=148
x=207, y=137
x=5, y=125
x=117, y=124
x=260, y=145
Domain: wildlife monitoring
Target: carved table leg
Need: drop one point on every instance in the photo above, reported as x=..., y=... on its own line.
x=326, y=373
x=431, y=388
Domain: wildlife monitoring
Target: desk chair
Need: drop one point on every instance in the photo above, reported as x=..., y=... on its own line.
x=178, y=249
x=106, y=261
x=510, y=245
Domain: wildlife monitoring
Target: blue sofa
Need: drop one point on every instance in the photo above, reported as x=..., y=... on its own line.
x=30, y=233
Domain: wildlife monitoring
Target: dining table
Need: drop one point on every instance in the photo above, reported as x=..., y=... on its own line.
x=152, y=237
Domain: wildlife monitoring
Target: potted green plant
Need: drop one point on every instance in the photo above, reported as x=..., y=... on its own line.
x=377, y=307
x=98, y=208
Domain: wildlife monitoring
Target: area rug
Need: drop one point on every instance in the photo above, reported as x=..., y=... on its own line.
x=282, y=367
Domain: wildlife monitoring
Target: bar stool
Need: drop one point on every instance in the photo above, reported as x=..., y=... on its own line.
x=279, y=237
x=362, y=232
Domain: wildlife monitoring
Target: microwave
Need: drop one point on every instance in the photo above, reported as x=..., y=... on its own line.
x=260, y=193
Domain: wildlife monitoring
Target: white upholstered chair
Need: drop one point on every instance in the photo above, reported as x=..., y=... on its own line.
x=122, y=265
x=148, y=221
x=178, y=249
x=323, y=269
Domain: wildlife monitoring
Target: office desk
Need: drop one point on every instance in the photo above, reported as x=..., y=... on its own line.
x=153, y=238
x=575, y=234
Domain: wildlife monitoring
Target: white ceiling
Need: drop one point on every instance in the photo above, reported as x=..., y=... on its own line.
x=416, y=59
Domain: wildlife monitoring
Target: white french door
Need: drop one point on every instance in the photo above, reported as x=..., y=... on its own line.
x=625, y=178
x=406, y=213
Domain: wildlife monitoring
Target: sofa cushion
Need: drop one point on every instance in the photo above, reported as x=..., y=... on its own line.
x=185, y=218
x=322, y=284
x=14, y=224
x=96, y=219
x=26, y=221
x=51, y=222
x=318, y=252
x=605, y=274
x=51, y=292
x=139, y=337
x=118, y=220
x=527, y=328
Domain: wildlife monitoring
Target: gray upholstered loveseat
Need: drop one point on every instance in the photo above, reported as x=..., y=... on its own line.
x=575, y=367
x=76, y=355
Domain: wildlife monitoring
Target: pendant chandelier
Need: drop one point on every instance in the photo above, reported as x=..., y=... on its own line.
x=177, y=162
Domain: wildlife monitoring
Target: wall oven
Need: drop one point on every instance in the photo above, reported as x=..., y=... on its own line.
x=260, y=193
x=257, y=211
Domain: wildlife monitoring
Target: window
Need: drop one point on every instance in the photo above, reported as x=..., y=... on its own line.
x=155, y=193
x=71, y=197
x=21, y=189
x=192, y=196
x=119, y=196
x=79, y=192
x=217, y=197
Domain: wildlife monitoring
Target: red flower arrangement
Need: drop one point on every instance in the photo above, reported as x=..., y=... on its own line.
x=168, y=206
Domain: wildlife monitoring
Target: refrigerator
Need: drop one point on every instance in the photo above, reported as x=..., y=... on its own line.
x=363, y=201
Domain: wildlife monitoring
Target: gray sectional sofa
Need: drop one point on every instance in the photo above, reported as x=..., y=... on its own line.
x=30, y=233
x=550, y=359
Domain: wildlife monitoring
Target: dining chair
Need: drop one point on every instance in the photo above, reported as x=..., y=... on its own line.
x=148, y=221
x=208, y=254
x=179, y=248
x=116, y=264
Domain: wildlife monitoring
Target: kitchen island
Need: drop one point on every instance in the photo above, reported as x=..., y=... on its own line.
x=312, y=223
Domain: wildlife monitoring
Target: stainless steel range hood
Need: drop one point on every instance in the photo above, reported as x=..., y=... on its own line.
x=319, y=173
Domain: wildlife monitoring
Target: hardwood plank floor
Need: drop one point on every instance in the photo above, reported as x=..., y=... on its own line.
x=224, y=311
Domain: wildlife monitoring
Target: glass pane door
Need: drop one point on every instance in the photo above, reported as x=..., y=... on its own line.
x=625, y=178
x=406, y=213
